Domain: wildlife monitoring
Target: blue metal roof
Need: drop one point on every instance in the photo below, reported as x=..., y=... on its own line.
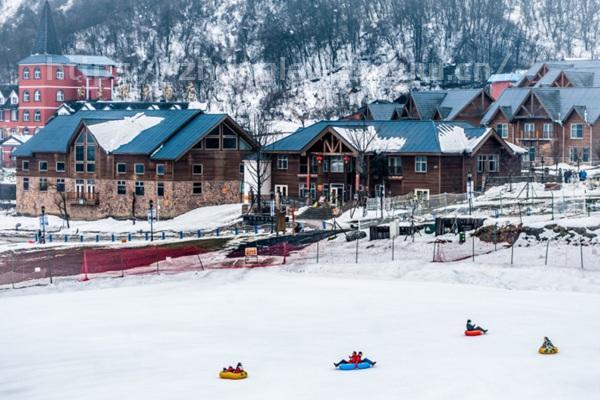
x=56, y=136
x=167, y=135
x=187, y=137
x=152, y=138
x=421, y=136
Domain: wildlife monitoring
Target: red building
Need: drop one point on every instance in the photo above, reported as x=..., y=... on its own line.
x=48, y=78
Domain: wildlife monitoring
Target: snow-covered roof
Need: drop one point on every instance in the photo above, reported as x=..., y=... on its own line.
x=113, y=134
x=378, y=144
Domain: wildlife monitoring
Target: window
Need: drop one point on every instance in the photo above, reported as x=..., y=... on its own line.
x=25, y=184
x=43, y=184
x=197, y=188
x=43, y=166
x=25, y=131
x=421, y=164
x=25, y=116
x=26, y=97
x=481, y=159
x=493, y=162
x=282, y=161
x=281, y=190
x=37, y=74
x=25, y=165
x=60, y=185
x=160, y=189
x=140, y=169
x=502, y=130
x=213, y=140
x=395, y=166
x=60, y=166
x=60, y=74
x=85, y=153
x=121, y=168
x=548, y=131
x=37, y=116
x=337, y=164
x=576, y=131
x=14, y=115
x=60, y=96
x=574, y=155
x=229, y=139
x=422, y=194
x=197, y=169
x=585, y=154
x=37, y=96
x=242, y=169
x=139, y=188
x=529, y=130
x=160, y=169
x=25, y=73
x=122, y=188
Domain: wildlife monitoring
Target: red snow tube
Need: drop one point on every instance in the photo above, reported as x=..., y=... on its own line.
x=474, y=333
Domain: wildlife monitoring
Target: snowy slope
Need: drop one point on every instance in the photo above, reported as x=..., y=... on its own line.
x=146, y=339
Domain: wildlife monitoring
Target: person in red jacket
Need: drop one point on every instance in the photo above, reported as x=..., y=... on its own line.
x=239, y=369
x=351, y=360
x=359, y=359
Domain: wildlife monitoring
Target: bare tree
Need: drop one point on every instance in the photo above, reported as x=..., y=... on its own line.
x=259, y=168
x=363, y=140
x=61, y=202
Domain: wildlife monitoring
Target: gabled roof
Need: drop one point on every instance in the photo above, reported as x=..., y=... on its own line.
x=383, y=111
x=46, y=40
x=81, y=61
x=71, y=107
x=445, y=103
x=402, y=136
x=508, y=77
x=558, y=102
x=158, y=134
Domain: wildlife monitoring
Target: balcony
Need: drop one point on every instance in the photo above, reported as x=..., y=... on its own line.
x=83, y=199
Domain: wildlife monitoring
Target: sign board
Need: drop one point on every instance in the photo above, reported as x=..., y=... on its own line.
x=393, y=229
x=257, y=219
x=251, y=252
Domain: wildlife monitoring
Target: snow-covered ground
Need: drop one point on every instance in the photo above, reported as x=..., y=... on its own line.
x=200, y=218
x=158, y=338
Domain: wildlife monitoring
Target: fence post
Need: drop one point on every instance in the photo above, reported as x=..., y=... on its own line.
x=318, y=241
x=512, y=253
x=581, y=252
x=324, y=225
x=393, y=243
x=236, y=231
x=112, y=237
x=129, y=237
x=218, y=231
x=50, y=238
x=66, y=238
x=81, y=239
x=547, y=247
x=496, y=236
x=199, y=233
x=256, y=229
x=122, y=267
x=473, y=241
x=180, y=235
x=97, y=238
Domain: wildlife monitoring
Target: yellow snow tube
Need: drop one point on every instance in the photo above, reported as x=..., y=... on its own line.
x=546, y=350
x=233, y=375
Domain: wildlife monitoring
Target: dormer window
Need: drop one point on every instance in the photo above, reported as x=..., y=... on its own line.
x=14, y=99
x=37, y=96
x=60, y=74
x=25, y=73
x=37, y=74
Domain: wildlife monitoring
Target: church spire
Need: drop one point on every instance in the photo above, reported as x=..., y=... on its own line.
x=46, y=41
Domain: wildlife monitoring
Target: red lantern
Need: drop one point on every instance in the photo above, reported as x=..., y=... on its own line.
x=346, y=159
x=319, y=159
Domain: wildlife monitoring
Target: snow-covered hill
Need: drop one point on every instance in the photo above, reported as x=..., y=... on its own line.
x=301, y=60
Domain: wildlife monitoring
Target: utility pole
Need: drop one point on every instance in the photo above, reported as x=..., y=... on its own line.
x=43, y=222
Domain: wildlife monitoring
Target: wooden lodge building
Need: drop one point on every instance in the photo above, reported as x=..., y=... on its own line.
x=554, y=124
x=438, y=105
x=98, y=164
x=400, y=157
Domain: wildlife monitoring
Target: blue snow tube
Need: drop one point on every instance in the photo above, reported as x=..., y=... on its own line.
x=349, y=367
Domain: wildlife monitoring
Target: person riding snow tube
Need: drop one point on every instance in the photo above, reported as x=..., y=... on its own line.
x=355, y=361
x=474, y=330
x=547, y=347
x=233, y=373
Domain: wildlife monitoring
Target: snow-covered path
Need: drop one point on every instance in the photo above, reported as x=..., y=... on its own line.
x=143, y=338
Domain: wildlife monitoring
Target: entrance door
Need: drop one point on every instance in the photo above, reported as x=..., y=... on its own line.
x=337, y=193
x=91, y=189
x=80, y=188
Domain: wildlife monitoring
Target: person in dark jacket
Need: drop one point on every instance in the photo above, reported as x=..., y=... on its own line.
x=239, y=368
x=473, y=327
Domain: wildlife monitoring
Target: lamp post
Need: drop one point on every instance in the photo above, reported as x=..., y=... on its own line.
x=43, y=223
x=151, y=220
x=543, y=171
x=470, y=193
